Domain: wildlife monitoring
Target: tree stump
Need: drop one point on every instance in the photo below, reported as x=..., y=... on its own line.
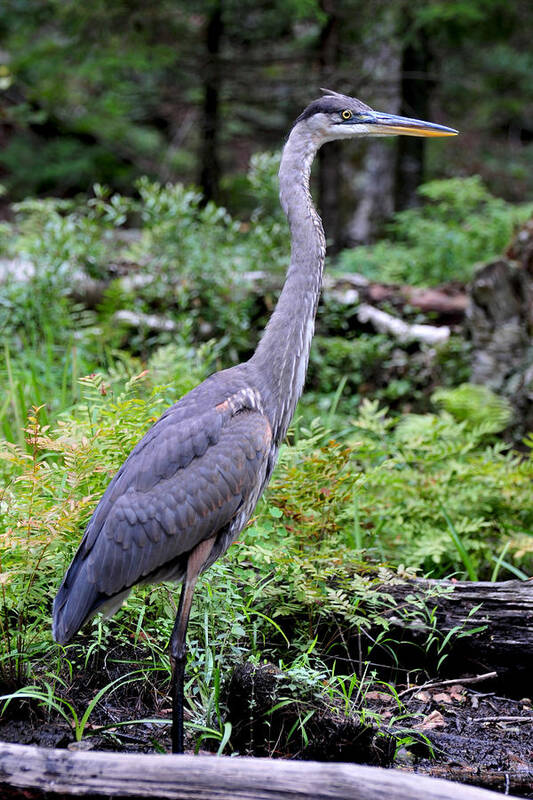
x=500, y=322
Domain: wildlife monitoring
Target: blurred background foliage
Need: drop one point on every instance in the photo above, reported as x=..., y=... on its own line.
x=184, y=91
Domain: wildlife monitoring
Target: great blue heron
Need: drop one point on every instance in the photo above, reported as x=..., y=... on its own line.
x=190, y=485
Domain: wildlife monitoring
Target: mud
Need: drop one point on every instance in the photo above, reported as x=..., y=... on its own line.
x=448, y=729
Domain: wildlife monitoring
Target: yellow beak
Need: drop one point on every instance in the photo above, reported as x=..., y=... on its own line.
x=391, y=124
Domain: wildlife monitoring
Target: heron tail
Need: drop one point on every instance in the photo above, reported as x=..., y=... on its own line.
x=76, y=601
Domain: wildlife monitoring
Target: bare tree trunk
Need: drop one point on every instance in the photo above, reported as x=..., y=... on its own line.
x=210, y=167
x=500, y=321
x=329, y=177
x=376, y=178
x=415, y=93
x=497, y=325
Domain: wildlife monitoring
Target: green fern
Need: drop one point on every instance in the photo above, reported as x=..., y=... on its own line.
x=477, y=405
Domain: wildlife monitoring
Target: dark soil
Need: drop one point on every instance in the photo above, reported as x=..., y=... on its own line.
x=450, y=730
x=447, y=729
x=477, y=737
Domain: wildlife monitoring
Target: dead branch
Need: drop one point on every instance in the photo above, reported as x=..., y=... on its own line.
x=401, y=330
x=499, y=616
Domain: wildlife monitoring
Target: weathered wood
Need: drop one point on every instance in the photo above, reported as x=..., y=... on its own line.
x=506, y=609
x=207, y=777
x=497, y=319
x=500, y=320
x=503, y=646
x=448, y=300
x=403, y=331
x=465, y=774
x=506, y=614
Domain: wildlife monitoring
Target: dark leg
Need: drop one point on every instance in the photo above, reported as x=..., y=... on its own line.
x=178, y=658
x=178, y=639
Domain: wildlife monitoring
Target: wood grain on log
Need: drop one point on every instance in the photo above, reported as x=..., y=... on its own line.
x=506, y=609
x=505, y=617
x=208, y=777
x=494, y=778
x=505, y=614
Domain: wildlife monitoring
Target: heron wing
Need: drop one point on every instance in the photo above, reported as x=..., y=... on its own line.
x=177, y=499
x=185, y=481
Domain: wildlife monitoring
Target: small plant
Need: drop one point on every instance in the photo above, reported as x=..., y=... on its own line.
x=47, y=698
x=477, y=405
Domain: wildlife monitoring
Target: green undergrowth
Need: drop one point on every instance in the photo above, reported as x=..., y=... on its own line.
x=360, y=498
x=184, y=262
x=345, y=370
x=344, y=515
x=458, y=224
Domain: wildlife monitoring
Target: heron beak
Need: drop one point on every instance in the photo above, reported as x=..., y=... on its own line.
x=391, y=124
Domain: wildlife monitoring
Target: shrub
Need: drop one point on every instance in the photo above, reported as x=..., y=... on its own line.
x=459, y=224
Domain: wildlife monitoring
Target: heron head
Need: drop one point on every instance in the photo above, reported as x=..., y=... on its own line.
x=336, y=116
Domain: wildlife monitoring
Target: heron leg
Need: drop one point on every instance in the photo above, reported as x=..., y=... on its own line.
x=178, y=639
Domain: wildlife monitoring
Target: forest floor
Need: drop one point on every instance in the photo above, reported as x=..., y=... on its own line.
x=477, y=736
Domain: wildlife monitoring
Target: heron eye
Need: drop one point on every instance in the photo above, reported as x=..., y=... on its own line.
x=346, y=114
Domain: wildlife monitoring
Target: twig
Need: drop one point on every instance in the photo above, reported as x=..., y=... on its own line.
x=450, y=682
x=503, y=719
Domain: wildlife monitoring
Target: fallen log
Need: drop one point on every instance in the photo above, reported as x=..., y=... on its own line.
x=381, y=321
x=466, y=774
x=168, y=777
x=491, y=639
x=447, y=302
x=495, y=621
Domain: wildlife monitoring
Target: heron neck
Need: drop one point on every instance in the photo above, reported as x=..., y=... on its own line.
x=283, y=352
